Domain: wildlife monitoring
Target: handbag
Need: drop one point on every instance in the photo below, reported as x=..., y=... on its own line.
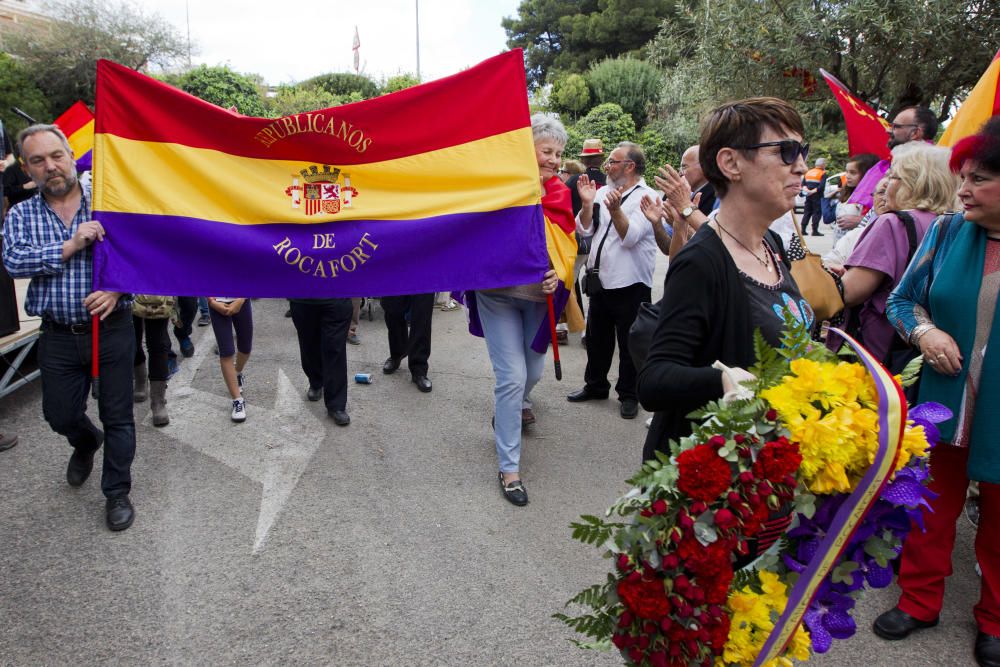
x=592, y=285
x=816, y=284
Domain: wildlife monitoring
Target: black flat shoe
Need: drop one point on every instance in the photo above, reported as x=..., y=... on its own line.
x=896, y=624
x=119, y=513
x=390, y=366
x=79, y=467
x=340, y=417
x=629, y=409
x=585, y=394
x=423, y=383
x=314, y=394
x=514, y=491
x=987, y=650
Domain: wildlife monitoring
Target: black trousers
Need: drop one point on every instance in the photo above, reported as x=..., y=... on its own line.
x=157, y=343
x=813, y=210
x=611, y=314
x=322, y=330
x=64, y=361
x=187, y=308
x=414, y=344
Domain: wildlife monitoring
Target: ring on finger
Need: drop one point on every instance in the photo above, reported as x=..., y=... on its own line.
x=931, y=362
x=941, y=356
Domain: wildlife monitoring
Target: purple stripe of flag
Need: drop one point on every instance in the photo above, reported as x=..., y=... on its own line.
x=153, y=254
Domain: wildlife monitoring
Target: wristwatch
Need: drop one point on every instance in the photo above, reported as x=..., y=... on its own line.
x=687, y=210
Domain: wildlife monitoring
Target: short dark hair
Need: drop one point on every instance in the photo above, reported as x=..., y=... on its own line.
x=982, y=148
x=634, y=153
x=741, y=123
x=926, y=119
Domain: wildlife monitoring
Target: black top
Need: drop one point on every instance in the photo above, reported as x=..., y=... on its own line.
x=595, y=174
x=707, y=202
x=704, y=316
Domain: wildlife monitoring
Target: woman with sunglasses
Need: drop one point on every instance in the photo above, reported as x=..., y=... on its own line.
x=946, y=304
x=727, y=280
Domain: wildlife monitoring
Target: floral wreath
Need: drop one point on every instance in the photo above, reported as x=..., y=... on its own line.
x=715, y=535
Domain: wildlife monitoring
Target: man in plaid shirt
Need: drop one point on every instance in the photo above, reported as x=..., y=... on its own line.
x=48, y=238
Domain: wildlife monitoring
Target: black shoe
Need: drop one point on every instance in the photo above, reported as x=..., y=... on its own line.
x=119, y=513
x=314, y=394
x=585, y=394
x=390, y=366
x=340, y=417
x=629, y=409
x=896, y=624
x=513, y=491
x=817, y=234
x=423, y=383
x=187, y=348
x=7, y=440
x=79, y=467
x=987, y=650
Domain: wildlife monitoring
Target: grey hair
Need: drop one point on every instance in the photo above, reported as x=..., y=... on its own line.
x=635, y=153
x=38, y=128
x=548, y=126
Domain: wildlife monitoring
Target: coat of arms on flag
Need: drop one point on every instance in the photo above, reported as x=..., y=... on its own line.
x=322, y=191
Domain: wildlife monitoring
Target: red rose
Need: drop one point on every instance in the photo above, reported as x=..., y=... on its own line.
x=777, y=459
x=646, y=598
x=703, y=474
x=623, y=562
x=771, y=415
x=725, y=519
x=659, y=506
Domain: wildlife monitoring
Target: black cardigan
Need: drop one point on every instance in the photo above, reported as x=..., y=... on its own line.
x=704, y=317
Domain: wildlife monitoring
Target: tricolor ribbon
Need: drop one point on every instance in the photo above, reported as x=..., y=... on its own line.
x=891, y=424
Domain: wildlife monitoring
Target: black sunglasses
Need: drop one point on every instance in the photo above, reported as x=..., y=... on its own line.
x=790, y=149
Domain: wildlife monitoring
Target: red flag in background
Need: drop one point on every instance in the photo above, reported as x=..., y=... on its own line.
x=866, y=131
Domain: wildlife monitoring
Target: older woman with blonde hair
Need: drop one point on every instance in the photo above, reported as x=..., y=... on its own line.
x=920, y=187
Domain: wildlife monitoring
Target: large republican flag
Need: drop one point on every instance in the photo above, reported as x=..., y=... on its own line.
x=77, y=123
x=432, y=188
x=983, y=103
x=867, y=132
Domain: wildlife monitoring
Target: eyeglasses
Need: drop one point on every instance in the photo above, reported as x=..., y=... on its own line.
x=899, y=126
x=790, y=149
x=609, y=162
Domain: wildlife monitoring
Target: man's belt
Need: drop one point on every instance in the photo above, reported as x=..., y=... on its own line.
x=81, y=328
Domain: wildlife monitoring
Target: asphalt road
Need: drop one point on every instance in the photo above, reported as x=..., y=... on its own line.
x=288, y=540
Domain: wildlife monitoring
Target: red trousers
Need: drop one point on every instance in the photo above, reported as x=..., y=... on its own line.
x=926, y=560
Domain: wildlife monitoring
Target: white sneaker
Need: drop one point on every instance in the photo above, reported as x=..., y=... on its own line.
x=239, y=410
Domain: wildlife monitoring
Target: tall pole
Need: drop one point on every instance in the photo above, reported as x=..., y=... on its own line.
x=187, y=16
x=417, y=2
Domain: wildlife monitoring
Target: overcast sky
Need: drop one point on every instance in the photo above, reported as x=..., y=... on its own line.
x=287, y=42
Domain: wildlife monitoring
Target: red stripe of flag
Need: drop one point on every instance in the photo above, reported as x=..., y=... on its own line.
x=431, y=116
x=74, y=118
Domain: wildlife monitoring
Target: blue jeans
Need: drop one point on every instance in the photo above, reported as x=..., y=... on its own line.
x=203, y=305
x=510, y=324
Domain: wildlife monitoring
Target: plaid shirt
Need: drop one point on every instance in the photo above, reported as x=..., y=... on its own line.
x=33, y=237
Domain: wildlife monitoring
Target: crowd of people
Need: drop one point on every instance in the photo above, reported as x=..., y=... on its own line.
x=916, y=260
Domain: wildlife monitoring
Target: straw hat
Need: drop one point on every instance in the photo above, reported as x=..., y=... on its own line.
x=592, y=147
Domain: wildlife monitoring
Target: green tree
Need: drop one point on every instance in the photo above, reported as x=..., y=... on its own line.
x=224, y=87
x=632, y=84
x=609, y=123
x=18, y=89
x=63, y=57
x=569, y=35
x=289, y=100
x=658, y=151
x=342, y=84
x=890, y=54
x=570, y=94
x=399, y=82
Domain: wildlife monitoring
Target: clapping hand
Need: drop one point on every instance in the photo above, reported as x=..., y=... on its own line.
x=652, y=208
x=613, y=201
x=587, y=189
x=674, y=186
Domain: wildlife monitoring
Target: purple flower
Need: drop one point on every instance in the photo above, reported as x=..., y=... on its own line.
x=829, y=617
x=927, y=415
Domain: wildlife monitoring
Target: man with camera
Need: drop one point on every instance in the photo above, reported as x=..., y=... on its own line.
x=619, y=273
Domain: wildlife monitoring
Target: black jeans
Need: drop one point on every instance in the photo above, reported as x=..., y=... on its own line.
x=157, y=343
x=414, y=344
x=322, y=330
x=187, y=308
x=611, y=314
x=812, y=211
x=64, y=361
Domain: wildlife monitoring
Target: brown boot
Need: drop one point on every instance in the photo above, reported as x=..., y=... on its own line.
x=141, y=389
x=158, y=402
